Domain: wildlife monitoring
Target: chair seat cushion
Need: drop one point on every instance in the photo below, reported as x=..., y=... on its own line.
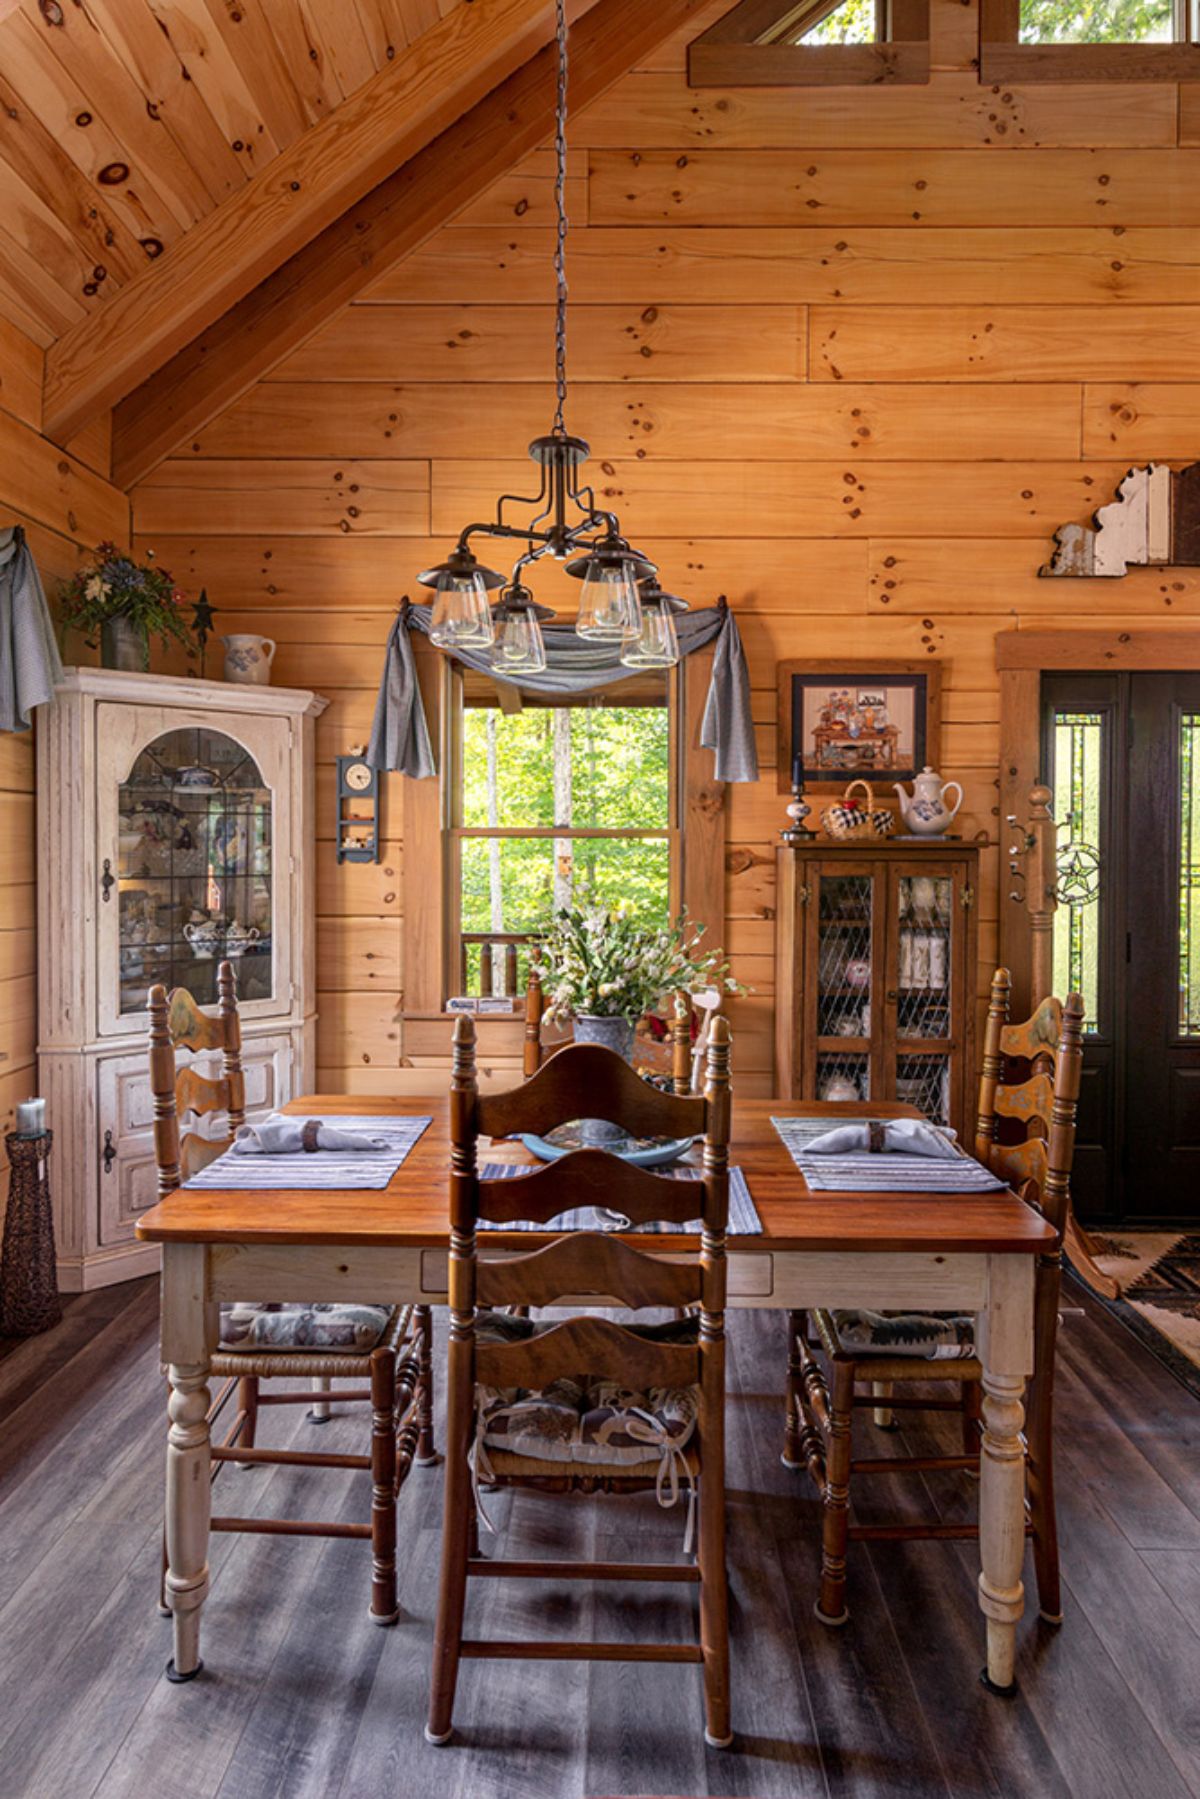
x=585, y=1418
x=353, y=1329
x=934, y=1336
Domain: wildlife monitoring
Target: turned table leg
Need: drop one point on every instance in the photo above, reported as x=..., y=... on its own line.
x=189, y=1331
x=1006, y=1350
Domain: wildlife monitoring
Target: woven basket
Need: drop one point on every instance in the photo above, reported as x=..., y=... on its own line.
x=851, y=822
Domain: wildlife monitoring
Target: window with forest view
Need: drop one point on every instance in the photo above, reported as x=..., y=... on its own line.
x=1105, y=21
x=853, y=22
x=557, y=805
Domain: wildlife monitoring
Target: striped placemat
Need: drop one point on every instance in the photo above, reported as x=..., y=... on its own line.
x=889, y=1172
x=323, y=1168
x=744, y=1220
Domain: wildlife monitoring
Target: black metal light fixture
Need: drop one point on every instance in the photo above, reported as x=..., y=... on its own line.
x=566, y=522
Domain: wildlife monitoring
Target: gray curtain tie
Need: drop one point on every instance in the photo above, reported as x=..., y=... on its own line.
x=400, y=735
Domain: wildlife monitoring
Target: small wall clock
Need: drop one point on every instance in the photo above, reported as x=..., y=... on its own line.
x=357, y=826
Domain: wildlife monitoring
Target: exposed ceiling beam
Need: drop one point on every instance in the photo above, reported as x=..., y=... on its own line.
x=222, y=258
x=313, y=286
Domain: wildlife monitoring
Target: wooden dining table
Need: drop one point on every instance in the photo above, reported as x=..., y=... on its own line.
x=968, y=1252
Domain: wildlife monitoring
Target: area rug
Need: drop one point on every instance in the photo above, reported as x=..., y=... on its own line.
x=1159, y=1273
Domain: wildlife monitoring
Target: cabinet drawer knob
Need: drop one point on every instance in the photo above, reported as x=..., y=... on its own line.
x=893, y=998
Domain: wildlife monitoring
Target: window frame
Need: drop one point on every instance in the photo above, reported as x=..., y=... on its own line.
x=740, y=51
x=430, y=926
x=1003, y=58
x=456, y=833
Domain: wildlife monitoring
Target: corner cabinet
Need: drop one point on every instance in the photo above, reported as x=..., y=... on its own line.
x=876, y=947
x=175, y=828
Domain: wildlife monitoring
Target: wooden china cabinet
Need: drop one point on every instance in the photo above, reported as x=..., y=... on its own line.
x=876, y=947
x=175, y=828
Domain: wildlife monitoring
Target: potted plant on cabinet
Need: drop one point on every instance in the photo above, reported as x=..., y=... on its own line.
x=121, y=604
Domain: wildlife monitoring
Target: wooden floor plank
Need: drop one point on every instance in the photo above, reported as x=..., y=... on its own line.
x=302, y=1695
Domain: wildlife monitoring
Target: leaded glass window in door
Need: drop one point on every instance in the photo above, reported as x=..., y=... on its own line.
x=1079, y=749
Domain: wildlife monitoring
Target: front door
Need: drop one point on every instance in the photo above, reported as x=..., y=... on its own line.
x=1122, y=757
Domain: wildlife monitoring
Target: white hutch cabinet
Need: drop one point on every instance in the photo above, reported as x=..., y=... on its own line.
x=175, y=827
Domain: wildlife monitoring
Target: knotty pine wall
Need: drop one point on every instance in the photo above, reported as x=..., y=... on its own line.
x=64, y=504
x=850, y=356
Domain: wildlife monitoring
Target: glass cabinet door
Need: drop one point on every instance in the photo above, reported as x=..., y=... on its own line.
x=848, y=944
x=192, y=817
x=923, y=983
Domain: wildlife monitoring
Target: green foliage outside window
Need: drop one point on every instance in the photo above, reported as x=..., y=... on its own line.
x=1097, y=21
x=603, y=768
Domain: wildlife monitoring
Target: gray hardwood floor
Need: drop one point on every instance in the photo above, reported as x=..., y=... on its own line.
x=303, y=1696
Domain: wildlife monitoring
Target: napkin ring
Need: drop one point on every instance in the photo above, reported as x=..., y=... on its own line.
x=308, y=1136
x=876, y=1136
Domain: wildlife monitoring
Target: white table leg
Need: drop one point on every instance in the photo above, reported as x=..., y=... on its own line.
x=189, y=1334
x=1006, y=1350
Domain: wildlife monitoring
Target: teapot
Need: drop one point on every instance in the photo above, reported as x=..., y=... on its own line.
x=205, y=937
x=924, y=811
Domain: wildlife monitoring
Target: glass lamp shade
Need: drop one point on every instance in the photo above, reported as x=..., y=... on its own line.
x=609, y=608
x=520, y=648
x=462, y=618
x=657, y=645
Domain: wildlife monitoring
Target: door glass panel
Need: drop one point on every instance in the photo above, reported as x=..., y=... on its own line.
x=1078, y=752
x=924, y=1082
x=194, y=869
x=1189, y=874
x=926, y=912
x=843, y=1077
x=844, y=957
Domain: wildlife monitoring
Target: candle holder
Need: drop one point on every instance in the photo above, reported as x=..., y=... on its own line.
x=798, y=810
x=29, y=1300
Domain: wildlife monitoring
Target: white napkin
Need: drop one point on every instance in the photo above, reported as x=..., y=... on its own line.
x=913, y=1136
x=284, y=1137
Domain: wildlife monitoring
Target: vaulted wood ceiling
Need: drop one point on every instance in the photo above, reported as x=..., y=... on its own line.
x=125, y=122
x=188, y=188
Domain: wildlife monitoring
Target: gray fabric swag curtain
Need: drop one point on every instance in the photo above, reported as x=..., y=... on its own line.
x=400, y=735
x=29, y=660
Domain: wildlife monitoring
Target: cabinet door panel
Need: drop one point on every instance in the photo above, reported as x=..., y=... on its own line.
x=194, y=826
x=844, y=972
x=126, y=1109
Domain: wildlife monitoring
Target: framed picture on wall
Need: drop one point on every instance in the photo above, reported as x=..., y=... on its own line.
x=841, y=720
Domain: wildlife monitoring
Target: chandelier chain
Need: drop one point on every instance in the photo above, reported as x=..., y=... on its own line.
x=560, y=202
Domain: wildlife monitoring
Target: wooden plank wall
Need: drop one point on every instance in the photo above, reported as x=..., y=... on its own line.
x=849, y=356
x=64, y=505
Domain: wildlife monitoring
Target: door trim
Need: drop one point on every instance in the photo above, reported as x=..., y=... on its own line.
x=1022, y=657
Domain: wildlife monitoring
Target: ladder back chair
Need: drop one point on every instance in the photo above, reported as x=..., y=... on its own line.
x=855, y=1359
x=387, y=1347
x=586, y=1404
x=687, y=1048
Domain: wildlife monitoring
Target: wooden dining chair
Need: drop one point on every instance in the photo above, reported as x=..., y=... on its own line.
x=387, y=1347
x=587, y=1404
x=1029, y=1090
x=688, y=1044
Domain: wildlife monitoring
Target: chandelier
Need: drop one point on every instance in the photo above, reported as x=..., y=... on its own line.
x=621, y=602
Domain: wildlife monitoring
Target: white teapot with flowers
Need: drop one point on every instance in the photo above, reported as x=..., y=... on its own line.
x=924, y=810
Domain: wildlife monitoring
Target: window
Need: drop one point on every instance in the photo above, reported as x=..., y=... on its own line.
x=549, y=805
x=1078, y=750
x=814, y=43
x=1089, y=40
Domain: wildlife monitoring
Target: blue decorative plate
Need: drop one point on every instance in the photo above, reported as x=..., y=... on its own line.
x=643, y=1152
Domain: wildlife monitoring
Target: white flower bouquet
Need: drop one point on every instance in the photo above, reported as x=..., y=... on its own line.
x=598, y=962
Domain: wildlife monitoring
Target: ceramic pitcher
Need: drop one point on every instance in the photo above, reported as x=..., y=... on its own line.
x=248, y=658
